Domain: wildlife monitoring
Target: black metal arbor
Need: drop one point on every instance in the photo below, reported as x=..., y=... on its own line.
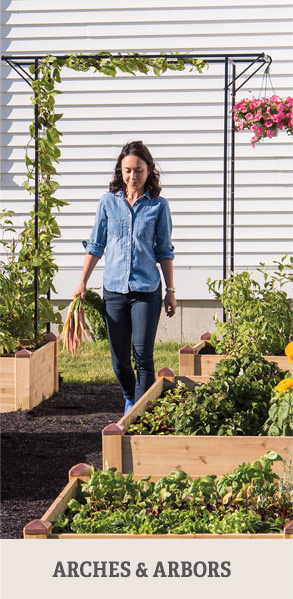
x=253, y=62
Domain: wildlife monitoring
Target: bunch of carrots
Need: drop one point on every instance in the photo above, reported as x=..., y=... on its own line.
x=74, y=327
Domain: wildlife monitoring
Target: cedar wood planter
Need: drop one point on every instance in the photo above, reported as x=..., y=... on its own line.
x=199, y=455
x=194, y=363
x=42, y=529
x=29, y=377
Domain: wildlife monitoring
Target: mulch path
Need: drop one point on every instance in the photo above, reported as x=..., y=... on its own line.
x=39, y=446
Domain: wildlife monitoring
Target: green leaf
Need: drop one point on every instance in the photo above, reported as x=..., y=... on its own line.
x=273, y=456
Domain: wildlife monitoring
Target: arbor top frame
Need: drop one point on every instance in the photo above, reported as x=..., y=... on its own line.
x=229, y=60
x=17, y=61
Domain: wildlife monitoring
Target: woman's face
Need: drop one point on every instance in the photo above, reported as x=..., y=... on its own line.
x=135, y=172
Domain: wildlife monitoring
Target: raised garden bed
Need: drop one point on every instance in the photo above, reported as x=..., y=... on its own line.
x=201, y=359
x=29, y=376
x=42, y=529
x=197, y=455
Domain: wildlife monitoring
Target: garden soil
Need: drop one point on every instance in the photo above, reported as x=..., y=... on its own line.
x=39, y=446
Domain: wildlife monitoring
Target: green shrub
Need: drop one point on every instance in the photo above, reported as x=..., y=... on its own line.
x=259, y=316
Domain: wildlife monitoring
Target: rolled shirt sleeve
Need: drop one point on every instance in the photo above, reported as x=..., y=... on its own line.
x=163, y=246
x=98, y=239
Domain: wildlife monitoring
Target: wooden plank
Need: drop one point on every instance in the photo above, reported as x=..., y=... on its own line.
x=7, y=386
x=169, y=536
x=43, y=373
x=141, y=405
x=186, y=360
x=201, y=455
x=60, y=504
x=205, y=364
x=282, y=361
x=56, y=365
x=22, y=383
x=112, y=447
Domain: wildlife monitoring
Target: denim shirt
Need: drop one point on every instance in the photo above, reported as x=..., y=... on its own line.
x=135, y=238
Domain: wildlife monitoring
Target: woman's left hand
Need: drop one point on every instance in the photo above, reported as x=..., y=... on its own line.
x=170, y=303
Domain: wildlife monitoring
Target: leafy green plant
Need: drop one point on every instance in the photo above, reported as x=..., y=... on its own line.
x=18, y=294
x=259, y=316
x=245, y=500
x=95, y=313
x=280, y=416
x=235, y=401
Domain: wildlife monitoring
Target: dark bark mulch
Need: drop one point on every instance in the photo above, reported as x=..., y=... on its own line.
x=39, y=446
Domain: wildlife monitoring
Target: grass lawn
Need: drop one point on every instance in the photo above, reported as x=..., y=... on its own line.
x=92, y=363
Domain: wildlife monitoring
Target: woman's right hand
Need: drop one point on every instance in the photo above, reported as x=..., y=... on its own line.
x=90, y=262
x=80, y=290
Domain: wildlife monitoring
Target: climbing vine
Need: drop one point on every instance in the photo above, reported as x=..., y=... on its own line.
x=38, y=253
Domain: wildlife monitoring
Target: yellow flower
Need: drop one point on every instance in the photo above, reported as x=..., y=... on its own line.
x=289, y=352
x=284, y=385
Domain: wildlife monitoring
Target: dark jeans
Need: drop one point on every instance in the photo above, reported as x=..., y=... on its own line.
x=133, y=316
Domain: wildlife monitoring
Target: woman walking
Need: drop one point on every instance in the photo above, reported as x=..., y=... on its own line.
x=133, y=224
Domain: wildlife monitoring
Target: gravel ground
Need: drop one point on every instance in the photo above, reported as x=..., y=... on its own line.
x=39, y=446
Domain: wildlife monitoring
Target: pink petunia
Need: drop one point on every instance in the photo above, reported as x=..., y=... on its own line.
x=260, y=130
x=253, y=128
x=253, y=140
x=268, y=123
x=270, y=133
x=280, y=125
x=289, y=101
x=241, y=124
x=238, y=105
x=258, y=115
x=275, y=118
x=254, y=104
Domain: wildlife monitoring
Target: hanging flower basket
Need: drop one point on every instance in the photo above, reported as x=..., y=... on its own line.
x=265, y=117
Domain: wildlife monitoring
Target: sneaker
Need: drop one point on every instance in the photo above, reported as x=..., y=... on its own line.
x=128, y=405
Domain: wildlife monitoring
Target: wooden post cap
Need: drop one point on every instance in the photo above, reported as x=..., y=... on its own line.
x=49, y=337
x=112, y=429
x=78, y=470
x=187, y=349
x=166, y=371
x=37, y=527
x=23, y=353
x=205, y=336
x=288, y=530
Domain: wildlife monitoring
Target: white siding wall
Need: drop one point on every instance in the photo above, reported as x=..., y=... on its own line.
x=179, y=116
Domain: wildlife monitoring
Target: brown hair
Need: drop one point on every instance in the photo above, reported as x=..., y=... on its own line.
x=138, y=149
